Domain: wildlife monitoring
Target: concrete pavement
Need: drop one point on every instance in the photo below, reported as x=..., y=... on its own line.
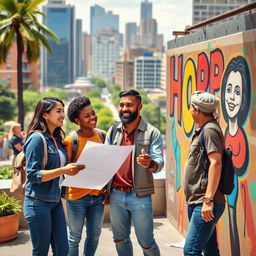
x=164, y=233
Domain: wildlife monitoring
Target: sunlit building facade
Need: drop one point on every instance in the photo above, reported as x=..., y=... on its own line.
x=105, y=53
x=147, y=72
x=30, y=71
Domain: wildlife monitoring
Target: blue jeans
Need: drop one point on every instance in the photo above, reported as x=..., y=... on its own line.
x=47, y=226
x=90, y=208
x=124, y=208
x=201, y=235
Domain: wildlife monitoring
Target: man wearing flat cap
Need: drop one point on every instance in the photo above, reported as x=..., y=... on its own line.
x=205, y=202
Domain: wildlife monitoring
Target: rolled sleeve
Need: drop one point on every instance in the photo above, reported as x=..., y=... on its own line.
x=34, y=151
x=156, y=150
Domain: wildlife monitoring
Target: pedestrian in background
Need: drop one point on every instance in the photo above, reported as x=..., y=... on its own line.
x=131, y=187
x=2, y=153
x=84, y=204
x=6, y=146
x=205, y=202
x=16, y=140
x=43, y=208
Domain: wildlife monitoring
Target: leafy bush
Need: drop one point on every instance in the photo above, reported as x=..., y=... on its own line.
x=9, y=205
x=6, y=173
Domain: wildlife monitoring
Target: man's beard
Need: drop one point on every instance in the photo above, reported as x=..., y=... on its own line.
x=131, y=118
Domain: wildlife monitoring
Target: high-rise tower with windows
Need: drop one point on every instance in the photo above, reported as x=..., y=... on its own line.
x=205, y=9
x=100, y=19
x=145, y=10
x=58, y=68
x=130, y=33
x=105, y=42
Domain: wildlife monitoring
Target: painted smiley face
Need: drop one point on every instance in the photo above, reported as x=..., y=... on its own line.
x=233, y=93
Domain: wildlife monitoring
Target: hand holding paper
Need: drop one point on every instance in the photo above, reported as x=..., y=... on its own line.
x=101, y=161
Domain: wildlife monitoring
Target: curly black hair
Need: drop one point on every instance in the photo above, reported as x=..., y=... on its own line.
x=76, y=105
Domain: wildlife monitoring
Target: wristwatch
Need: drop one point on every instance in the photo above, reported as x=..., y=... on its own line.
x=152, y=163
x=208, y=200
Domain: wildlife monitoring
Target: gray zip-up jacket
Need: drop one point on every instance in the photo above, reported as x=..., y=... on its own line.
x=148, y=137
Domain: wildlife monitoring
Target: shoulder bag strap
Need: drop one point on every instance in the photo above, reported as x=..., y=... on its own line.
x=101, y=134
x=113, y=131
x=45, y=158
x=74, y=145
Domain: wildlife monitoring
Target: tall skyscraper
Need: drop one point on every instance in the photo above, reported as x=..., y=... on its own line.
x=105, y=52
x=130, y=33
x=79, y=48
x=147, y=36
x=105, y=42
x=146, y=10
x=205, y=9
x=100, y=19
x=87, y=53
x=58, y=68
x=148, y=33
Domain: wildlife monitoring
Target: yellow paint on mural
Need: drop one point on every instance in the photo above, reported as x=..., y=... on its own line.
x=188, y=80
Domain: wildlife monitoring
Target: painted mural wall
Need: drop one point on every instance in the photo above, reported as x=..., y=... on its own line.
x=226, y=67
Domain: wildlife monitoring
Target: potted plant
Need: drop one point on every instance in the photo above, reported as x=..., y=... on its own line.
x=10, y=209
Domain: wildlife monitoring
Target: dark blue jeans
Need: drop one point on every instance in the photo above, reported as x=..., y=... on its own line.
x=90, y=209
x=47, y=226
x=126, y=208
x=201, y=235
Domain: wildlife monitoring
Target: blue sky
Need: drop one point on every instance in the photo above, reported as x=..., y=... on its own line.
x=171, y=15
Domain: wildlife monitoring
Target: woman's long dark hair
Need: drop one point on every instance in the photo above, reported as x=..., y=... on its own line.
x=45, y=105
x=238, y=64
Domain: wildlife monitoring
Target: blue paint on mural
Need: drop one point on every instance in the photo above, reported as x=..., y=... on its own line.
x=176, y=152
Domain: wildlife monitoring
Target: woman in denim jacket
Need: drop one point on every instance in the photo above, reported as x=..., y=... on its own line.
x=42, y=205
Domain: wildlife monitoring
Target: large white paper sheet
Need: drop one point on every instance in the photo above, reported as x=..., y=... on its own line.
x=101, y=161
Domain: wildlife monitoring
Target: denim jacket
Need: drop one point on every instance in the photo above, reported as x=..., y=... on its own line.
x=147, y=137
x=34, y=150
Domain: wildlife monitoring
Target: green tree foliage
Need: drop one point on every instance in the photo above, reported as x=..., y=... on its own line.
x=114, y=91
x=105, y=117
x=152, y=114
x=7, y=104
x=31, y=97
x=100, y=83
x=105, y=122
x=144, y=97
x=96, y=93
x=105, y=111
x=54, y=92
x=69, y=126
x=19, y=23
x=97, y=104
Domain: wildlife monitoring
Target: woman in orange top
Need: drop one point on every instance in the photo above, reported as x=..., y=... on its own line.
x=83, y=204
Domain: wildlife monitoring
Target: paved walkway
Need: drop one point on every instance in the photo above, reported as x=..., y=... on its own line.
x=165, y=233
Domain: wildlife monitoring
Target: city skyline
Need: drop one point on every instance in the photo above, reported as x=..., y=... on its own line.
x=129, y=11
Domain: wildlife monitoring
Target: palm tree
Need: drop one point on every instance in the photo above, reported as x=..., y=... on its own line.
x=19, y=24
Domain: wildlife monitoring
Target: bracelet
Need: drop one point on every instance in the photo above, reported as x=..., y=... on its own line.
x=152, y=164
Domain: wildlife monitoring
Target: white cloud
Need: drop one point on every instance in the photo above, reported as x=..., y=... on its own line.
x=171, y=15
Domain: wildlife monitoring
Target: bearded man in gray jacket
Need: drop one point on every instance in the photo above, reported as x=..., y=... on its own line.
x=131, y=187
